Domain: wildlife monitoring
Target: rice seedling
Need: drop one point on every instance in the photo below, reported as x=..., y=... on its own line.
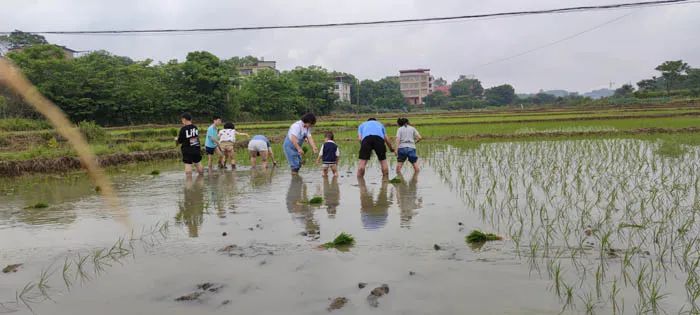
x=155, y=172
x=477, y=236
x=38, y=205
x=343, y=240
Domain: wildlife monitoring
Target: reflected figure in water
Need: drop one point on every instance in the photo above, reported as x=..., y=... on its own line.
x=222, y=190
x=374, y=214
x=407, y=198
x=302, y=212
x=331, y=194
x=192, y=206
x=261, y=177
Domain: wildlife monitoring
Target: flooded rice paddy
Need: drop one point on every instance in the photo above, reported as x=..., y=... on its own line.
x=588, y=226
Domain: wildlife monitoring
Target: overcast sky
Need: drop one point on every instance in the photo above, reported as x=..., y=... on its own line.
x=624, y=51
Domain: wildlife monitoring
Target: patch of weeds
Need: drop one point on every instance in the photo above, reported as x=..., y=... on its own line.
x=342, y=240
x=38, y=205
x=395, y=180
x=316, y=200
x=477, y=236
x=155, y=172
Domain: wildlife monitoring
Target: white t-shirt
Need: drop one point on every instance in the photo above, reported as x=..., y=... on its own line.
x=227, y=135
x=407, y=136
x=297, y=129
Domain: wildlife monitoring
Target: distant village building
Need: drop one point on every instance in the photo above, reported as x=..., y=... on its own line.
x=342, y=88
x=415, y=85
x=254, y=69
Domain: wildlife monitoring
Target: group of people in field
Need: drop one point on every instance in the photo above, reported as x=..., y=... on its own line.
x=220, y=145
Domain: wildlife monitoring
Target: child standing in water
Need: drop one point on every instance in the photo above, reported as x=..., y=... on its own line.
x=188, y=139
x=406, y=139
x=329, y=153
x=227, y=140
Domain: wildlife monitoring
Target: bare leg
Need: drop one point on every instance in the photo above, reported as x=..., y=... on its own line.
x=385, y=168
x=334, y=167
x=416, y=168
x=263, y=156
x=253, y=158
x=399, y=165
x=188, y=170
x=209, y=162
x=233, y=158
x=200, y=168
x=325, y=171
x=361, y=168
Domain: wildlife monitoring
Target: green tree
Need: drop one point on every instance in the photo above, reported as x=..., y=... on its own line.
x=436, y=99
x=500, y=95
x=626, y=90
x=18, y=40
x=467, y=87
x=672, y=72
x=205, y=83
x=315, y=84
x=440, y=82
x=267, y=95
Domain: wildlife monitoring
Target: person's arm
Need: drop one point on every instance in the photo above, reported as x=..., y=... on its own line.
x=398, y=138
x=242, y=134
x=295, y=142
x=388, y=143
x=214, y=139
x=320, y=154
x=271, y=154
x=310, y=139
x=180, y=137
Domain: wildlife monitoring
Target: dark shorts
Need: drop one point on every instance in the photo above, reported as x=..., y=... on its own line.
x=210, y=151
x=373, y=143
x=191, y=158
x=407, y=154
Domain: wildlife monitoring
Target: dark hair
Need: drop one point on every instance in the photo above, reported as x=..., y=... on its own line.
x=400, y=122
x=372, y=119
x=309, y=118
x=329, y=135
x=216, y=117
x=186, y=116
x=229, y=125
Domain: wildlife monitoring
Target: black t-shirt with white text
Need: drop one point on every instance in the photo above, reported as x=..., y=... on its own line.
x=189, y=139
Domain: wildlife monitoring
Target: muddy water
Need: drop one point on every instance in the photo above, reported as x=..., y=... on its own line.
x=275, y=266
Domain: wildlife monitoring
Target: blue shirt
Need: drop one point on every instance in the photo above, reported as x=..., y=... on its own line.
x=261, y=137
x=211, y=134
x=371, y=128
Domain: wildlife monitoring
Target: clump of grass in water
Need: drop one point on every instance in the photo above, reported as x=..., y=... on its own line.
x=38, y=205
x=395, y=180
x=342, y=240
x=477, y=236
x=155, y=172
x=314, y=201
x=670, y=149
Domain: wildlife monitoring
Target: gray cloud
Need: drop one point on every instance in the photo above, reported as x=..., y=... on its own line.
x=625, y=51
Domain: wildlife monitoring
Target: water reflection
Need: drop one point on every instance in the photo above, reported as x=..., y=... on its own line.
x=407, y=198
x=297, y=198
x=331, y=194
x=222, y=188
x=192, y=205
x=374, y=213
x=261, y=177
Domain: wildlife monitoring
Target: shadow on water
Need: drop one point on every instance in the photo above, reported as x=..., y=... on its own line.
x=191, y=207
x=331, y=195
x=297, y=205
x=374, y=213
x=408, y=199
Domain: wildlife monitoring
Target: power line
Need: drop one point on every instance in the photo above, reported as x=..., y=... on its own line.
x=380, y=22
x=554, y=42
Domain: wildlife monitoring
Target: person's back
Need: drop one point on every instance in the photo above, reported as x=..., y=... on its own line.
x=371, y=128
x=330, y=152
x=406, y=136
x=189, y=139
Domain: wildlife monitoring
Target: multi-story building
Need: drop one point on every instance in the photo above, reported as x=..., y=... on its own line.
x=415, y=85
x=250, y=70
x=342, y=88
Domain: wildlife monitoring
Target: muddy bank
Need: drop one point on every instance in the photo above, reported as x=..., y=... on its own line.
x=65, y=164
